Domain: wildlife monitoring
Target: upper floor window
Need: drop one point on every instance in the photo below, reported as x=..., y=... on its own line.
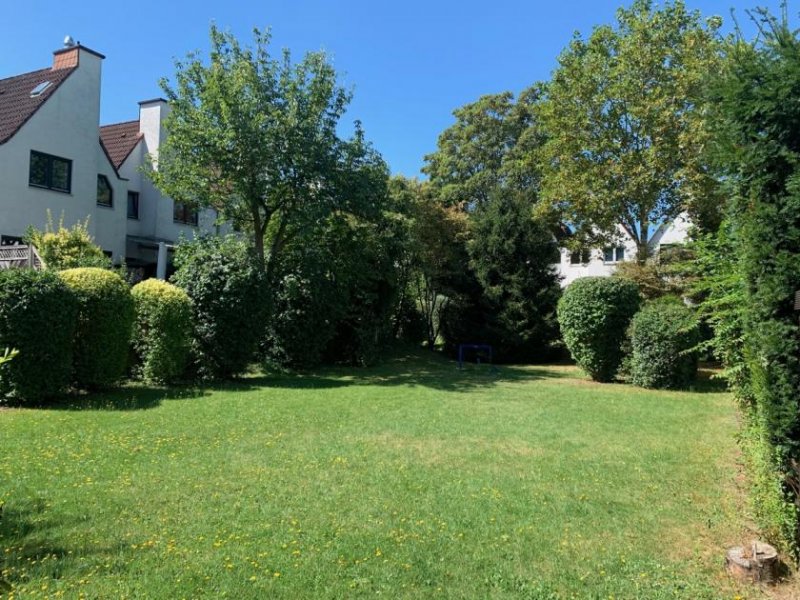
x=580, y=256
x=185, y=214
x=133, y=205
x=105, y=194
x=614, y=254
x=51, y=172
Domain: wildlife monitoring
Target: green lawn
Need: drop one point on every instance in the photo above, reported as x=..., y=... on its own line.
x=407, y=480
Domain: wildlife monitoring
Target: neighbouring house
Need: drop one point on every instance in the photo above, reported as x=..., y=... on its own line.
x=602, y=262
x=55, y=156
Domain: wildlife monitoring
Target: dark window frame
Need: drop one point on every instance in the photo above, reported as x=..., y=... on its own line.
x=582, y=256
x=110, y=204
x=184, y=214
x=135, y=197
x=48, y=183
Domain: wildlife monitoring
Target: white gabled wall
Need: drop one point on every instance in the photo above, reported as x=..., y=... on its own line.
x=66, y=125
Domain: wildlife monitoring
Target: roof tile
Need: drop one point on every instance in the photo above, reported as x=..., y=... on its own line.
x=119, y=140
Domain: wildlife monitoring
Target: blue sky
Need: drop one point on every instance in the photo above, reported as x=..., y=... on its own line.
x=409, y=63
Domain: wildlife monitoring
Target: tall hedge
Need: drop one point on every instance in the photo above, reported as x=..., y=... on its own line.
x=105, y=318
x=37, y=317
x=162, y=330
x=759, y=139
x=229, y=303
x=594, y=314
x=663, y=337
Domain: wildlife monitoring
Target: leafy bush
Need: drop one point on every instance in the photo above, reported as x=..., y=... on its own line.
x=229, y=303
x=37, y=317
x=594, y=313
x=67, y=248
x=663, y=337
x=105, y=318
x=162, y=330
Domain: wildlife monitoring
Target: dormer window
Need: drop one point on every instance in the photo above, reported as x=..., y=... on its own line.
x=39, y=89
x=105, y=194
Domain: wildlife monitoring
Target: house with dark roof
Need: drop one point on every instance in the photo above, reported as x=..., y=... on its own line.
x=55, y=157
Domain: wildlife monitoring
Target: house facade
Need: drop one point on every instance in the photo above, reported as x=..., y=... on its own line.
x=603, y=262
x=56, y=159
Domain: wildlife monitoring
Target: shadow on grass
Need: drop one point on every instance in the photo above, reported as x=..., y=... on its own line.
x=412, y=368
x=29, y=537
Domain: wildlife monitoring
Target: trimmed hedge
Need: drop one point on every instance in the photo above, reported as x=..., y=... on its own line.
x=105, y=318
x=162, y=330
x=594, y=313
x=37, y=317
x=229, y=303
x=662, y=336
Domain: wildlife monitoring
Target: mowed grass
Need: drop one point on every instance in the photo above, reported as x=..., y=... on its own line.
x=407, y=480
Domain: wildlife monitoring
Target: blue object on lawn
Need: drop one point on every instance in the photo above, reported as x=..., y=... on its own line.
x=478, y=347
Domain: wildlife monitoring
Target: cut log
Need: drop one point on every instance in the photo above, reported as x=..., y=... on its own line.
x=757, y=562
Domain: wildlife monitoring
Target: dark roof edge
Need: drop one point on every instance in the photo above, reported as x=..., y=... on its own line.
x=68, y=48
x=152, y=101
x=120, y=123
x=35, y=110
x=108, y=158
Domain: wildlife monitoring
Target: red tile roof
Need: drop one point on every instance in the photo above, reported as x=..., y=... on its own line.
x=119, y=140
x=16, y=104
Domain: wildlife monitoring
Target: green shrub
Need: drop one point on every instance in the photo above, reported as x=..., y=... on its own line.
x=162, y=330
x=37, y=317
x=105, y=317
x=594, y=313
x=67, y=248
x=229, y=303
x=663, y=335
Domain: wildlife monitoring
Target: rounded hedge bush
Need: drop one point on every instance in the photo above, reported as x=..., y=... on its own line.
x=162, y=330
x=594, y=313
x=662, y=336
x=229, y=304
x=105, y=317
x=37, y=317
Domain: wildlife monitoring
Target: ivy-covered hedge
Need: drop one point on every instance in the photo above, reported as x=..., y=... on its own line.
x=105, y=317
x=162, y=330
x=663, y=336
x=37, y=317
x=594, y=314
x=229, y=298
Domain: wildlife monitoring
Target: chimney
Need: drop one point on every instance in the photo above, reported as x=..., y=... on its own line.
x=69, y=56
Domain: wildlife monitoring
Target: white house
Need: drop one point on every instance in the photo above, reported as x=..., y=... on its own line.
x=55, y=156
x=603, y=261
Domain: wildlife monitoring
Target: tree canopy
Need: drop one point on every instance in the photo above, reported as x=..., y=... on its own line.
x=625, y=124
x=255, y=137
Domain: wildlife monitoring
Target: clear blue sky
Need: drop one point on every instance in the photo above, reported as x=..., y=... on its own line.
x=409, y=63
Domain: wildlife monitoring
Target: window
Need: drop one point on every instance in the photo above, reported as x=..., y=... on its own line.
x=50, y=172
x=11, y=240
x=105, y=195
x=611, y=255
x=133, y=205
x=580, y=256
x=182, y=213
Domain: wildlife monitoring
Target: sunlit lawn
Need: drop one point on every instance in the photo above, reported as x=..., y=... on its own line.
x=407, y=480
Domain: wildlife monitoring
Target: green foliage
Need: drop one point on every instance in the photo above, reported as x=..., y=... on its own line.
x=162, y=330
x=37, y=318
x=758, y=254
x=512, y=256
x=67, y=248
x=255, y=137
x=625, y=127
x=103, y=332
x=594, y=314
x=229, y=303
x=487, y=147
x=664, y=336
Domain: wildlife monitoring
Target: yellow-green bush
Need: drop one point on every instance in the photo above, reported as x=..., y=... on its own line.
x=105, y=317
x=162, y=330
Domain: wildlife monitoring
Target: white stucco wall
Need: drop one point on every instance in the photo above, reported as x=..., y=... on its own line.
x=67, y=126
